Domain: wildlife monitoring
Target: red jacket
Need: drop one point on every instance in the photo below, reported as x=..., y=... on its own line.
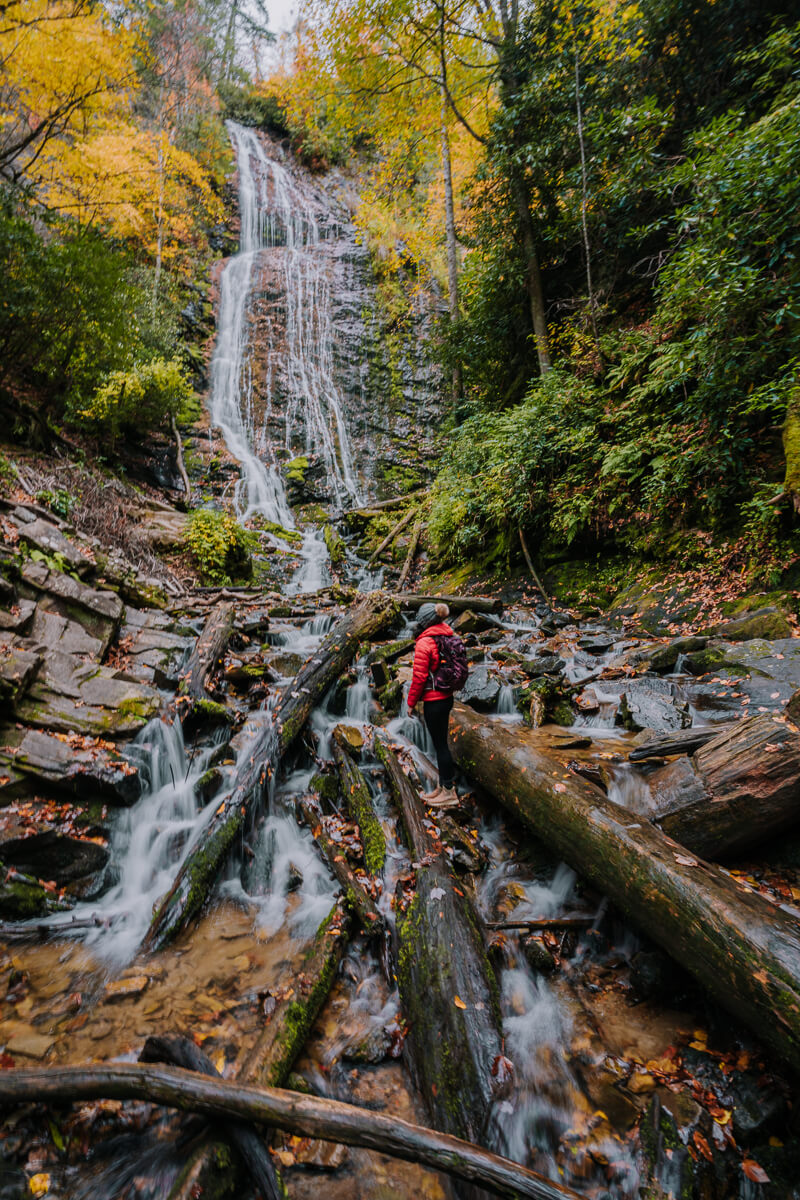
x=426, y=660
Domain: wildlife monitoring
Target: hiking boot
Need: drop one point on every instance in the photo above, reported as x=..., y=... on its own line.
x=434, y=795
x=447, y=798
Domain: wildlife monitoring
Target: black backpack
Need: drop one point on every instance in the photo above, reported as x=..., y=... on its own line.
x=453, y=669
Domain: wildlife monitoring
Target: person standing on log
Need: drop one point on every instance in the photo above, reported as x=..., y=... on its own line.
x=440, y=668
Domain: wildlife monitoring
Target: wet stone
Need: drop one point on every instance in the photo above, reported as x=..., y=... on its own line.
x=30, y=1045
x=481, y=689
x=83, y=770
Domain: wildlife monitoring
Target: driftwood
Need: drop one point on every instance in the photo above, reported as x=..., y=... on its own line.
x=354, y=894
x=31, y=931
x=680, y=741
x=735, y=791
x=205, y=860
x=271, y=1056
x=208, y=652
x=392, y=534
x=447, y=988
x=413, y=545
x=741, y=948
x=307, y=1116
x=478, y=604
x=181, y=1052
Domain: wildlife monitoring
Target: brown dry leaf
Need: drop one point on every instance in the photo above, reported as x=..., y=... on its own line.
x=285, y=1157
x=702, y=1145
x=459, y=1003
x=685, y=860
x=754, y=1172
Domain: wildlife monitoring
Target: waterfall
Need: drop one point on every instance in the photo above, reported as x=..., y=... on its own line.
x=277, y=217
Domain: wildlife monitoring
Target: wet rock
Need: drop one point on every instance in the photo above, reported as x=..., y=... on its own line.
x=126, y=988
x=370, y=1047
x=470, y=622
x=538, y=956
x=18, y=669
x=481, y=689
x=324, y=1156
x=596, y=645
x=548, y=664
x=763, y=623
x=50, y=542
x=666, y=657
x=154, y=655
x=669, y=1124
x=286, y=664
x=655, y=976
x=86, y=699
x=100, y=612
x=651, y=704
x=79, y=767
x=22, y=898
x=655, y=606
x=30, y=1045
x=55, y=632
x=543, y=700
x=51, y=856
x=252, y=622
x=18, y=617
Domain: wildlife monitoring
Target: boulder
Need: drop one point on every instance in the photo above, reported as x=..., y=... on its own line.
x=471, y=622
x=86, y=698
x=54, y=632
x=19, y=667
x=49, y=541
x=99, y=612
x=664, y=658
x=18, y=617
x=162, y=527
x=763, y=623
x=154, y=655
x=650, y=703
x=52, y=856
x=481, y=689
x=656, y=607
x=78, y=766
x=548, y=664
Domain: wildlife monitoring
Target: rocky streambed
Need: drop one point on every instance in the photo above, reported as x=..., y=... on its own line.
x=619, y=1074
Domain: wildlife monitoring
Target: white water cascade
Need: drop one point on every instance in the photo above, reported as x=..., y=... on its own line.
x=278, y=218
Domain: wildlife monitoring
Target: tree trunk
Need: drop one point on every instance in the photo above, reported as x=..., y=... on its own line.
x=416, y=533
x=477, y=604
x=272, y=1055
x=208, y=653
x=737, y=790
x=533, y=276
x=735, y=943
x=205, y=860
x=791, y=448
x=307, y=1116
x=181, y=1052
x=358, y=802
x=353, y=892
x=450, y=234
x=447, y=986
x=392, y=534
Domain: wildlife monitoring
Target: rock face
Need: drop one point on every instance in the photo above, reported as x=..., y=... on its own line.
x=73, y=765
x=51, y=543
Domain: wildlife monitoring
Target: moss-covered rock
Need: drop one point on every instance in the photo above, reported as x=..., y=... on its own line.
x=764, y=623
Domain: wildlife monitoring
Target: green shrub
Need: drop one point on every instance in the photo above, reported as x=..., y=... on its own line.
x=250, y=107
x=138, y=399
x=219, y=546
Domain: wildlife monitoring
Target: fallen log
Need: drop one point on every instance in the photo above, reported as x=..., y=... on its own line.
x=307, y=1116
x=270, y=1058
x=544, y=923
x=741, y=948
x=358, y=802
x=382, y=505
x=448, y=990
x=681, y=741
x=354, y=894
x=454, y=603
x=738, y=789
x=25, y=931
x=181, y=1052
x=187, y=487
x=205, y=859
x=416, y=534
x=392, y=534
x=207, y=655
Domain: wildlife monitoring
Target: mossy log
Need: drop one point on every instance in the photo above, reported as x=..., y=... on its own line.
x=447, y=985
x=353, y=893
x=208, y=653
x=181, y=1052
x=738, y=789
x=478, y=604
x=270, y=1058
x=206, y=858
x=406, y=519
x=791, y=448
x=416, y=534
x=740, y=947
x=358, y=802
x=308, y=1116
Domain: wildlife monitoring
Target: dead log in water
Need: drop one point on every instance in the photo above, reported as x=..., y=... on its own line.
x=208, y=652
x=447, y=986
x=353, y=892
x=742, y=949
x=202, y=867
x=736, y=790
x=478, y=604
x=269, y=1059
x=358, y=802
x=181, y=1052
x=308, y=1116
x=679, y=741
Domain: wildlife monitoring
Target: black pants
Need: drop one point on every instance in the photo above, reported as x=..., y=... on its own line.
x=437, y=717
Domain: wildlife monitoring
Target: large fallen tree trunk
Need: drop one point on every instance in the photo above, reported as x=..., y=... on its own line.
x=272, y=1055
x=308, y=1116
x=353, y=892
x=478, y=604
x=206, y=858
x=181, y=1052
x=208, y=652
x=736, y=790
x=735, y=943
x=358, y=803
x=447, y=986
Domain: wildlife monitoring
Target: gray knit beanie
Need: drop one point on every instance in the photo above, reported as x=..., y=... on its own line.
x=429, y=614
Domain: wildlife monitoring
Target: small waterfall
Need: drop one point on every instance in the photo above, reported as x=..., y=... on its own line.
x=506, y=705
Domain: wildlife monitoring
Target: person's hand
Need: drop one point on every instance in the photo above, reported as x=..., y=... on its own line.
x=412, y=712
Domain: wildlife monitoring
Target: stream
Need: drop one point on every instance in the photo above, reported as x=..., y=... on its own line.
x=571, y=1016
